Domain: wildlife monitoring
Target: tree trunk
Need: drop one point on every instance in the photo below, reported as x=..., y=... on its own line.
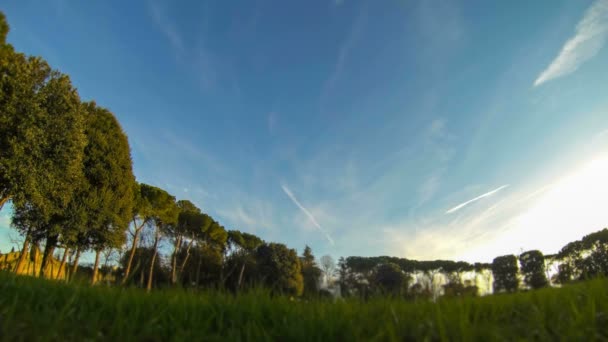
x=198, y=268
x=176, y=248
x=132, y=253
x=151, y=274
x=183, y=266
x=96, y=267
x=75, y=264
x=3, y=201
x=34, y=258
x=241, y=276
x=66, y=252
x=47, y=256
x=21, y=260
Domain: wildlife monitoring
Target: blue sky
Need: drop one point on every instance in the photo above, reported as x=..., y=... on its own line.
x=356, y=127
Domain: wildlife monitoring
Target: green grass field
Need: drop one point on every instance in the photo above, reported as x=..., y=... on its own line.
x=34, y=309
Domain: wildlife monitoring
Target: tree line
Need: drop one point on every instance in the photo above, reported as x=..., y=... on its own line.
x=579, y=260
x=66, y=168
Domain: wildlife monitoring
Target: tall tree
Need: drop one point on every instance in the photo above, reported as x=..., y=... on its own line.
x=198, y=229
x=533, y=269
x=149, y=202
x=41, y=133
x=165, y=216
x=109, y=181
x=344, y=277
x=328, y=266
x=240, y=247
x=310, y=272
x=190, y=220
x=504, y=269
x=41, y=141
x=279, y=268
x=389, y=278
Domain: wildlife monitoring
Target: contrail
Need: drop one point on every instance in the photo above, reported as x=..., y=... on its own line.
x=462, y=205
x=305, y=211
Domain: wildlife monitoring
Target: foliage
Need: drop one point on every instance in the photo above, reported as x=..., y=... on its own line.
x=109, y=179
x=505, y=270
x=533, y=269
x=41, y=134
x=310, y=272
x=141, y=260
x=389, y=278
x=458, y=289
x=279, y=268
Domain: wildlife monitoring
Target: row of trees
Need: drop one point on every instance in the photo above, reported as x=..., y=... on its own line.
x=578, y=260
x=65, y=166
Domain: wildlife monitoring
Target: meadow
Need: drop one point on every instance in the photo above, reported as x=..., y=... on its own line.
x=33, y=309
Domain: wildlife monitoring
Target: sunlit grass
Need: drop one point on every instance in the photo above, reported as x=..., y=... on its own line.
x=34, y=309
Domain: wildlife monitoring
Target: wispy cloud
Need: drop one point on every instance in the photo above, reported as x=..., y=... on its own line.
x=464, y=204
x=166, y=27
x=210, y=68
x=307, y=213
x=591, y=34
x=344, y=51
x=428, y=188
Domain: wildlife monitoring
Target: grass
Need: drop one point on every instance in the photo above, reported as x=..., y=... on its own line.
x=34, y=309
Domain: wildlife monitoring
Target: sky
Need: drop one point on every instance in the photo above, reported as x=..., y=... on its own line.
x=423, y=129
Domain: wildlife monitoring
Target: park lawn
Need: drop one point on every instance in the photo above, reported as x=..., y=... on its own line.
x=34, y=309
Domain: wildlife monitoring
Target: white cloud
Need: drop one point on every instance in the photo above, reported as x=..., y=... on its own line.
x=254, y=215
x=591, y=34
x=462, y=205
x=307, y=213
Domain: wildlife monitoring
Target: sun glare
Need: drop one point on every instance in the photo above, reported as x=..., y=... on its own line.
x=566, y=210
x=574, y=206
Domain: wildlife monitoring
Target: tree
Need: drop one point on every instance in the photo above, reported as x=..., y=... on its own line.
x=596, y=263
x=149, y=202
x=328, y=266
x=4, y=28
x=279, y=268
x=197, y=235
x=389, y=278
x=164, y=217
x=41, y=145
x=211, y=242
x=141, y=259
x=109, y=181
x=190, y=221
x=459, y=289
x=240, y=259
x=533, y=269
x=344, y=277
x=41, y=133
x=310, y=272
x=504, y=269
